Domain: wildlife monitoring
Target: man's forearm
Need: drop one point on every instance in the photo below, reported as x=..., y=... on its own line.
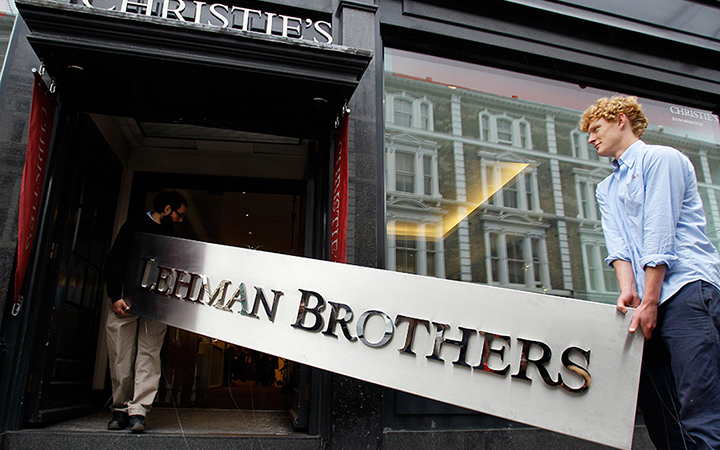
x=628, y=288
x=625, y=276
x=654, y=277
x=646, y=314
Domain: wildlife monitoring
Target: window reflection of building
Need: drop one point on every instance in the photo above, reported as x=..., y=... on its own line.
x=415, y=247
x=414, y=226
x=505, y=186
x=600, y=277
x=581, y=148
x=408, y=111
x=507, y=189
x=516, y=256
x=586, y=182
x=502, y=129
x=406, y=248
x=514, y=233
x=600, y=280
x=412, y=166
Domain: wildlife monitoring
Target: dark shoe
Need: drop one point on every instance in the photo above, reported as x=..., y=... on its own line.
x=137, y=424
x=119, y=421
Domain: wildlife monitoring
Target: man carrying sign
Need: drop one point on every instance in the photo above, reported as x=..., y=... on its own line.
x=654, y=227
x=134, y=343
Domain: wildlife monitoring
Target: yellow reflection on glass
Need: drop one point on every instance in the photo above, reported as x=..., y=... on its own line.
x=403, y=229
x=507, y=175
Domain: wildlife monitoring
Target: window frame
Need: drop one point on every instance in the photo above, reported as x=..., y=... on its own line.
x=594, y=267
x=491, y=167
x=500, y=263
x=586, y=182
x=519, y=129
x=418, y=119
x=421, y=149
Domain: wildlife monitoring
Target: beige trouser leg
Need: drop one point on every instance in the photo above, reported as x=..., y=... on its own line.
x=134, y=345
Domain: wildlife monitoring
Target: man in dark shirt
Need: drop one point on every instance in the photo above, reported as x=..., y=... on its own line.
x=134, y=343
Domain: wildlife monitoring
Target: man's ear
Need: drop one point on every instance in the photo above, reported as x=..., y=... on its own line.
x=622, y=120
x=167, y=210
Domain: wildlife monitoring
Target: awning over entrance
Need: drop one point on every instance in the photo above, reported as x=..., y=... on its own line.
x=163, y=70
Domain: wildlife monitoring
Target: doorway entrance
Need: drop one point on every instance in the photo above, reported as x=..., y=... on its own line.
x=243, y=189
x=262, y=214
x=213, y=114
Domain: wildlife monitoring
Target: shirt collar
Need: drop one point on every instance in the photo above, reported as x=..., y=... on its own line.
x=629, y=156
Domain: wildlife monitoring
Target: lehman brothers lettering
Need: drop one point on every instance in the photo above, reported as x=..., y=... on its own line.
x=224, y=16
x=196, y=287
x=561, y=364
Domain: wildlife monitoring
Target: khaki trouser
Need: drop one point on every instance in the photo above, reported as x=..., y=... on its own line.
x=134, y=345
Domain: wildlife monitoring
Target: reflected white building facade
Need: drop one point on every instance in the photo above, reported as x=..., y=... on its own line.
x=499, y=190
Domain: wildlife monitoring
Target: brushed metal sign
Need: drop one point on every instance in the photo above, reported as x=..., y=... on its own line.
x=565, y=365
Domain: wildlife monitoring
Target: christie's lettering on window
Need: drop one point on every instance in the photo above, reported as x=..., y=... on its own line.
x=691, y=116
x=220, y=15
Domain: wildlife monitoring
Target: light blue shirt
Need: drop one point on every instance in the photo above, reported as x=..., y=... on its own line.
x=652, y=214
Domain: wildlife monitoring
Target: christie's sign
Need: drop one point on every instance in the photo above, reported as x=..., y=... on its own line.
x=565, y=365
x=681, y=111
x=224, y=16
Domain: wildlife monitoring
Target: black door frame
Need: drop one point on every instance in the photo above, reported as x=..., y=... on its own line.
x=22, y=332
x=83, y=219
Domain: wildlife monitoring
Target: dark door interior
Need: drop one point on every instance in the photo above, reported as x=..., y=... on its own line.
x=83, y=215
x=264, y=214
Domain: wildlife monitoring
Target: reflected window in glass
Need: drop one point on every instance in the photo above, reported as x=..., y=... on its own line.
x=403, y=112
x=510, y=195
x=494, y=256
x=405, y=172
x=503, y=191
x=424, y=116
x=406, y=250
x=431, y=252
x=515, y=259
x=504, y=131
x=536, y=261
x=484, y=126
x=427, y=174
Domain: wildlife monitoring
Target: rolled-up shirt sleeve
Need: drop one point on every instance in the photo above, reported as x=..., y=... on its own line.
x=664, y=192
x=617, y=249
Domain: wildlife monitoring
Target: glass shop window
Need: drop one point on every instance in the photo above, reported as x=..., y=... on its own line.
x=7, y=19
x=489, y=180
